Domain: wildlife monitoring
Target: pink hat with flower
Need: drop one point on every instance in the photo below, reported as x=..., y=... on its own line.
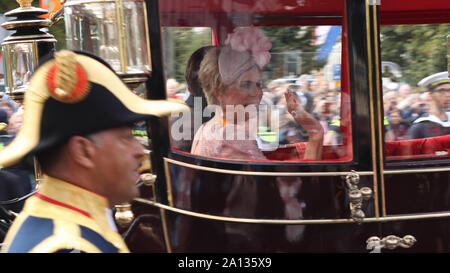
x=244, y=48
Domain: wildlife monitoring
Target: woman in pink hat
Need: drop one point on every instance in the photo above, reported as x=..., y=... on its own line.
x=231, y=79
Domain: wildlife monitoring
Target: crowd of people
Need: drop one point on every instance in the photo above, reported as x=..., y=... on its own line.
x=420, y=113
x=404, y=107
x=18, y=179
x=318, y=96
x=11, y=117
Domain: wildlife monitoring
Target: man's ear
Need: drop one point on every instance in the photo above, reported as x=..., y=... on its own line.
x=82, y=151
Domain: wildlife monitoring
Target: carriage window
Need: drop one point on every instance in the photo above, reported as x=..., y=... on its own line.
x=416, y=91
x=179, y=44
x=278, y=99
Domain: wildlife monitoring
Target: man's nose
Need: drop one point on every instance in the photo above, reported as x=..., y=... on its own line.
x=139, y=148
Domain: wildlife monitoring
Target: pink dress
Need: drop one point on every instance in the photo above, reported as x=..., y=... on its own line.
x=211, y=140
x=216, y=138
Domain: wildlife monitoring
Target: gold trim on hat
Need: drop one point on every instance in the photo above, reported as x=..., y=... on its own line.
x=440, y=82
x=3, y=126
x=66, y=78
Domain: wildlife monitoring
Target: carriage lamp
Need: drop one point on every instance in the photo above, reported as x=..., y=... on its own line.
x=115, y=30
x=22, y=49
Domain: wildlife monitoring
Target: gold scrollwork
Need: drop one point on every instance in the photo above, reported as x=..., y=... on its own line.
x=375, y=244
x=356, y=196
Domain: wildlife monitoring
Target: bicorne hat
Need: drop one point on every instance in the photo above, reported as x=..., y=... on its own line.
x=76, y=93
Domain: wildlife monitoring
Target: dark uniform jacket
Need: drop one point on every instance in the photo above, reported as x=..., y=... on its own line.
x=430, y=126
x=16, y=181
x=62, y=217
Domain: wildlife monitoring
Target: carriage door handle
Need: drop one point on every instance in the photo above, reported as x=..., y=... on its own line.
x=390, y=242
x=356, y=196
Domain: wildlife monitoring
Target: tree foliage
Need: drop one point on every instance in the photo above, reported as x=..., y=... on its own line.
x=179, y=44
x=420, y=50
x=7, y=5
x=295, y=38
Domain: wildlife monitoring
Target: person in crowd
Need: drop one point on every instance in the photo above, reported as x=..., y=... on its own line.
x=230, y=77
x=290, y=131
x=15, y=122
x=426, y=101
x=404, y=91
x=397, y=129
x=196, y=100
x=437, y=122
x=305, y=81
x=323, y=112
x=390, y=102
x=6, y=106
x=5, y=138
x=12, y=104
x=16, y=180
x=173, y=87
x=9, y=126
x=333, y=136
x=316, y=86
x=275, y=90
x=413, y=107
x=78, y=122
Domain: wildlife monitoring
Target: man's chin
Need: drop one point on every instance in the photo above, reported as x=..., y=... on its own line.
x=128, y=198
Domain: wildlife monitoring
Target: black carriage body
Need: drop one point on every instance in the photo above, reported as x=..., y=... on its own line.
x=218, y=205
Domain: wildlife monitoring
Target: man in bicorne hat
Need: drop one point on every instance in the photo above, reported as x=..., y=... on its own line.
x=437, y=122
x=78, y=122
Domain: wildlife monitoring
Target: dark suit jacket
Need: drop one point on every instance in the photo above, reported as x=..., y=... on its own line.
x=14, y=183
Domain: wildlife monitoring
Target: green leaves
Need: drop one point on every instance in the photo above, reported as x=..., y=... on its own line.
x=420, y=50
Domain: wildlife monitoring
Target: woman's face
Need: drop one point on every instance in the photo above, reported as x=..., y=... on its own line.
x=395, y=118
x=246, y=90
